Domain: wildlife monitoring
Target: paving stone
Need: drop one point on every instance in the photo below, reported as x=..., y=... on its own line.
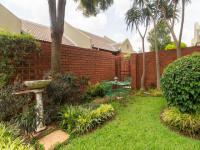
x=54, y=138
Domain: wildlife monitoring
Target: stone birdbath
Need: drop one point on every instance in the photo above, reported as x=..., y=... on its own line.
x=37, y=87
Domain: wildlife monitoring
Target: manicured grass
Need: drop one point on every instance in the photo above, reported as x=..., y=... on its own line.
x=136, y=127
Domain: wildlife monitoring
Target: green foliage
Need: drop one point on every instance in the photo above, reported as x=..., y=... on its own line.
x=163, y=36
x=172, y=46
x=97, y=90
x=139, y=122
x=69, y=115
x=13, y=49
x=26, y=120
x=40, y=147
x=11, y=104
x=78, y=119
x=4, y=79
x=9, y=139
x=181, y=83
x=94, y=7
x=66, y=88
x=184, y=122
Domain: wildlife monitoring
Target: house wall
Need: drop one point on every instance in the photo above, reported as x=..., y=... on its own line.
x=97, y=65
x=126, y=47
x=79, y=38
x=196, y=39
x=8, y=21
x=166, y=57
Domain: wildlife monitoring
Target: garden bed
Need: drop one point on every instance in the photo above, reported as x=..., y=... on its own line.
x=136, y=126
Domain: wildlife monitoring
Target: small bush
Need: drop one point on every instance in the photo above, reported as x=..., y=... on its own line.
x=181, y=83
x=26, y=120
x=186, y=123
x=66, y=88
x=69, y=115
x=172, y=46
x=9, y=139
x=97, y=90
x=78, y=120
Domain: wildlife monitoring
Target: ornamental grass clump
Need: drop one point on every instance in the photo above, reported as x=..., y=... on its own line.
x=181, y=84
x=184, y=122
x=79, y=120
x=10, y=140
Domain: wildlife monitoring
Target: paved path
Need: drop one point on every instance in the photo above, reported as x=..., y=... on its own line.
x=54, y=138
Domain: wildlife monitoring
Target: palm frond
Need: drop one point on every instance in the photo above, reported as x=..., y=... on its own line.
x=137, y=16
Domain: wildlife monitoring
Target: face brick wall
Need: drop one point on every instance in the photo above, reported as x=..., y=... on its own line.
x=166, y=57
x=97, y=65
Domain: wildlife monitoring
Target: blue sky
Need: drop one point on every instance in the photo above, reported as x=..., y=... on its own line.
x=110, y=23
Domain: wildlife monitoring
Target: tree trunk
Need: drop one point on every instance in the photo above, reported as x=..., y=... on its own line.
x=178, y=49
x=181, y=29
x=157, y=57
x=55, y=53
x=144, y=66
x=57, y=15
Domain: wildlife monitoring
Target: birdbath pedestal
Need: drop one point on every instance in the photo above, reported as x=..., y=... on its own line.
x=39, y=110
x=37, y=87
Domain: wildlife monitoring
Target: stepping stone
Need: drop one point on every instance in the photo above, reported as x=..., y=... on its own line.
x=54, y=138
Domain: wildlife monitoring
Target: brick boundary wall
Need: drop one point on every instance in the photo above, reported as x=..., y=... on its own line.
x=97, y=65
x=166, y=57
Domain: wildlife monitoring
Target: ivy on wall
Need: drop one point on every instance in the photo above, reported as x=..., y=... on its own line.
x=13, y=49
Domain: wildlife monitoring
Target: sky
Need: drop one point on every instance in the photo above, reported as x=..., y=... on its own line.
x=110, y=23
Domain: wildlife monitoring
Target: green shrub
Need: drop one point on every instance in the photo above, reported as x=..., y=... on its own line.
x=172, y=46
x=66, y=88
x=184, y=122
x=79, y=119
x=9, y=139
x=10, y=105
x=26, y=120
x=94, y=118
x=13, y=49
x=98, y=90
x=69, y=115
x=181, y=83
x=4, y=79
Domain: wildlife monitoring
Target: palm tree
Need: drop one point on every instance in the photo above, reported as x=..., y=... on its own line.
x=57, y=15
x=135, y=18
x=153, y=10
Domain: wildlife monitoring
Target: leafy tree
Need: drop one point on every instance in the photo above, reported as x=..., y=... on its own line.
x=57, y=15
x=135, y=18
x=172, y=46
x=169, y=12
x=163, y=36
x=153, y=9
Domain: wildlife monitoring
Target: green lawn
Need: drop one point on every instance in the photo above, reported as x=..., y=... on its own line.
x=136, y=127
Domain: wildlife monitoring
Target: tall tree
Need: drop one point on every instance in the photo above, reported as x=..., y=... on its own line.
x=57, y=15
x=169, y=13
x=163, y=36
x=138, y=17
x=153, y=7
